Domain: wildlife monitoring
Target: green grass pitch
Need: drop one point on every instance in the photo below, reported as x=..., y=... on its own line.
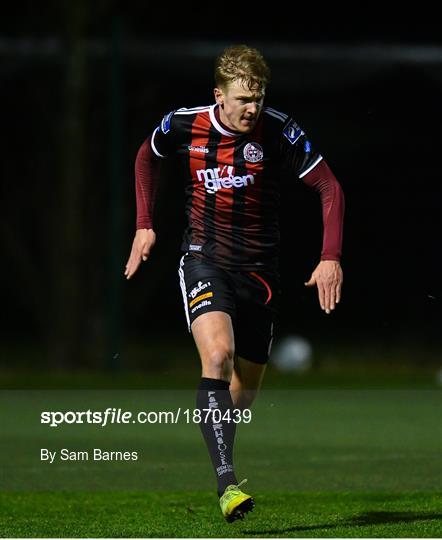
x=190, y=514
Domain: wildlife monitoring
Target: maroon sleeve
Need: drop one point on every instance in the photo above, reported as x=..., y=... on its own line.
x=146, y=184
x=323, y=180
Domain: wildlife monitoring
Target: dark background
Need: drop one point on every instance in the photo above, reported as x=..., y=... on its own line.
x=81, y=88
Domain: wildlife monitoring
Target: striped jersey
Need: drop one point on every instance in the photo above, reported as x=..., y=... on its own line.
x=232, y=182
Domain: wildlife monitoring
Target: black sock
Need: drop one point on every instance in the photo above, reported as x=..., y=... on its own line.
x=219, y=436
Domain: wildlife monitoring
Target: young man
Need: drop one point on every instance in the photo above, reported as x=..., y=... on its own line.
x=232, y=155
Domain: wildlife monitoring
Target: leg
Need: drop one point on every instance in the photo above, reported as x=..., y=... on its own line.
x=213, y=335
x=209, y=302
x=246, y=381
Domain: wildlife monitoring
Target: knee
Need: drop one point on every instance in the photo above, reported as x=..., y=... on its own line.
x=242, y=398
x=219, y=363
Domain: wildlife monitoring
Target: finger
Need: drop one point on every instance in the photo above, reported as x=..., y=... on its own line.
x=134, y=262
x=338, y=292
x=145, y=254
x=321, y=295
x=332, y=296
x=128, y=272
x=136, y=265
x=135, y=258
x=327, y=299
x=310, y=282
x=131, y=271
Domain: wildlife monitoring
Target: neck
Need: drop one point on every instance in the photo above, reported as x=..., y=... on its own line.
x=223, y=119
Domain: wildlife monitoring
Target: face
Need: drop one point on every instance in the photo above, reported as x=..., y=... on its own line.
x=240, y=107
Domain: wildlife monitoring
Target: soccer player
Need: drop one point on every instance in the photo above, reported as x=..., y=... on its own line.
x=232, y=155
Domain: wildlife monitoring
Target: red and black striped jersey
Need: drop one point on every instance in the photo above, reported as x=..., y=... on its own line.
x=232, y=182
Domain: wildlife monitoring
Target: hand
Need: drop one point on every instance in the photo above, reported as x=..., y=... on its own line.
x=328, y=277
x=143, y=242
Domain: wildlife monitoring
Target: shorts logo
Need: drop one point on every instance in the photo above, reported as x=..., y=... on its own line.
x=202, y=304
x=200, y=298
x=253, y=152
x=215, y=179
x=200, y=287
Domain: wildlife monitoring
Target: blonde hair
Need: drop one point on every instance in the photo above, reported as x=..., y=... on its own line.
x=243, y=64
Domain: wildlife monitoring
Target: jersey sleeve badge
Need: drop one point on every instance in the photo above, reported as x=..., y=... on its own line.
x=166, y=122
x=292, y=132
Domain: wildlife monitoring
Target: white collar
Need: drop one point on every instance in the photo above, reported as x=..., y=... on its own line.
x=218, y=126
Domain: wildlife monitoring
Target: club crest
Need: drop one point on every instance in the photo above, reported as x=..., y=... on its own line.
x=253, y=152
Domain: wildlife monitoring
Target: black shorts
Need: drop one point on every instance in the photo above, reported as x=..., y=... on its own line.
x=250, y=298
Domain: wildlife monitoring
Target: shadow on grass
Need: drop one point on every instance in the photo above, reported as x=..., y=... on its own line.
x=367, y=518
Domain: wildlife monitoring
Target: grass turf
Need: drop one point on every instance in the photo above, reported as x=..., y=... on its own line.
x=191, y=514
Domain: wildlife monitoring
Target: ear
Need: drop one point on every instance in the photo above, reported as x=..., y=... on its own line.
x=219, y=96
